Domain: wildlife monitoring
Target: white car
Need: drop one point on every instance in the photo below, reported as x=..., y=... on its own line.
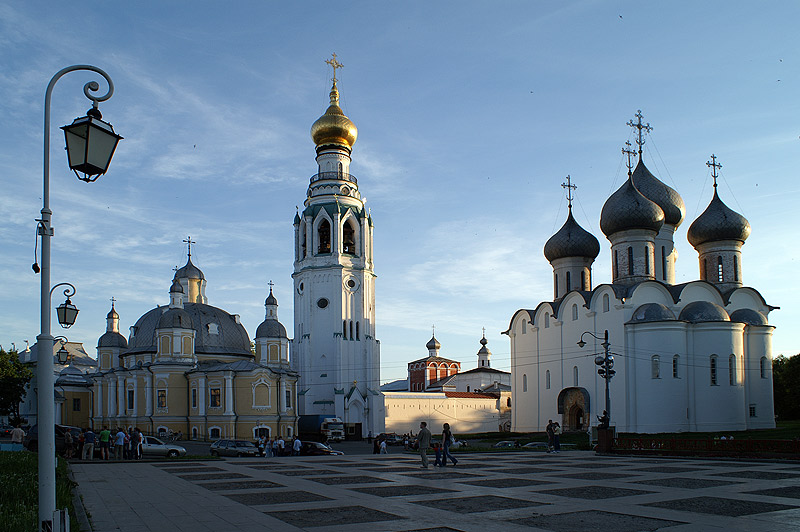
x=153, y=446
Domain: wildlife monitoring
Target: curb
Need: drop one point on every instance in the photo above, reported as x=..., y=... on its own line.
x=77, y=503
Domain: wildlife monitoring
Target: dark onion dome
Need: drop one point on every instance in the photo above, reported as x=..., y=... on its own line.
x=627, y=208
x=700, y=311
x=112, y=339
x=271, y=299
x=571, y=240
x=718, y=222
x=230, y=338
x=112, y=314
x=433, y=343
x=176, y=287
x=665, y=197
x=270, y=328
x=749, y=316
x=652, y=312
x=190, y=271
x=175, y=318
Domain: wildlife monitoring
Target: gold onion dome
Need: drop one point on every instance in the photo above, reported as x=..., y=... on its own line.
x=334, y=128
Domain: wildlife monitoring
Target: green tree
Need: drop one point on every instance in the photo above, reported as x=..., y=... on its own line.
x=14, y=376
x=786, y=383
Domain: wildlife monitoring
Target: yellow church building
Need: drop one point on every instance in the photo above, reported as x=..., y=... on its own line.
x=190, y=368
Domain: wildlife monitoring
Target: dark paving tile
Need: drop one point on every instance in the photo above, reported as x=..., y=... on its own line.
x=665, y=469
x=276, y=497
x=594, y=475
x=530, y=470
x=437, y=529
x=594, y=492
x=594, y=521
x=241, y=485
x=306, y=472
x=342, y=463
x=179, y=464
x=399, y=491
x=271, y=467
x=440, y=476
x=212, y=476
x=466, y=465
x=686, y=483
x=483, y=503
x=720, y=506
x=199, y=469
x=391, y=469
x=594, y=465
x=350, y=479
x=340, y=514
x=758, y=475
x=504, y=482
x=791, y=492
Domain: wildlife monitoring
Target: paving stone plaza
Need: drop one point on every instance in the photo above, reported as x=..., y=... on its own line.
x=571, y=491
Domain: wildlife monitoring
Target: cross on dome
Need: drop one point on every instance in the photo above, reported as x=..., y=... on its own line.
x=714, y=165
x=113, y=300
x=271, y=284
x=569, y=187
x=643, y=128
x=629, y=152
x=334, y=64
x=189, y=242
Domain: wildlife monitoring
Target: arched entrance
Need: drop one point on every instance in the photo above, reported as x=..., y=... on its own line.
x=573, y=405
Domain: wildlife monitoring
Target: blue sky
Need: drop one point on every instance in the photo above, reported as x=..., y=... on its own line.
x=470, y=115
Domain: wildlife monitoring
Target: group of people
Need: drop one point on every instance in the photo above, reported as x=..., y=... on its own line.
x=442, y=450
x=271, y=447
x=125, y=445
x=553, y=430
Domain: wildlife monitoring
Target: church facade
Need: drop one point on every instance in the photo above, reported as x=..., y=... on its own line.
x=189, y=367
x=693, y=356
x=335, y=348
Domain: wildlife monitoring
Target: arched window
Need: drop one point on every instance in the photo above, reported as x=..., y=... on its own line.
x=351, y=330
x=630, y=260
x=719, y=269
x=763, y=367
x=508, y=402
x=735, y=268
x=647, y=259
x=324, y=232
x=616, y=264
x=574, y=312
x=663, y=263
x=524, y=327
x=358, y=334
x=569, y=282
x=214, y=433
x=546, y=320
x=524, y=382
x=302, y=240
x=261, y=394
x=655, y=367
x=340, y=169
x=348, y=239
x=574, y=375
x=712, y=365
x=547, y=379
x=675, y=361
x=555, y=285
x=732, y=370
x=467, y=388
x=344, y=329
x=606, y=303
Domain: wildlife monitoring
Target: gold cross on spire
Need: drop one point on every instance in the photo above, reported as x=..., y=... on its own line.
x=189, y=242
x=629, y=152
x=643, y=128
x=714, y=165
x=569, y=187
x=334, y=64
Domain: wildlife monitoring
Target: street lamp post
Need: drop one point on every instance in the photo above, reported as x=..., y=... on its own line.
x=606, y=363
x=89, y=140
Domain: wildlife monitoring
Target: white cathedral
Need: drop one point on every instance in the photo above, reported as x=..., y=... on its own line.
x=334, y=347
x=695, y=356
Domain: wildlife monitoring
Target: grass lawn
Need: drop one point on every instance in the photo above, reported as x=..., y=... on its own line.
x=19, y=491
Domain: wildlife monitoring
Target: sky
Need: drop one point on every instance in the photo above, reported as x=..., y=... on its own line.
x=470, y=116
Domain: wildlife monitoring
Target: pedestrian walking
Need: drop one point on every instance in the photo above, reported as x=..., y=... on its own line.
x=89, y=439
x=384, y=450
x=447, y=440
x=119, y=444
x=17, y=435
x=550, y=430
x=438, y=450
x=69, y=443
x=281, y=445
x=424, y=439
x=275, y=449
x=556, y=435
x=376, y=446
x=105, y=443
x=268, y=448
x=139, y=443
x=296, y=446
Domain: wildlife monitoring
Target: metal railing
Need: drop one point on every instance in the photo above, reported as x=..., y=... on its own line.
x=341, y=176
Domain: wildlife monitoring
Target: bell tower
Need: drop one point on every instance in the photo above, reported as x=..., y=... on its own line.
x=334, y=346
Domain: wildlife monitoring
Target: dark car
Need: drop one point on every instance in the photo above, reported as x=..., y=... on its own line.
x=5, y=431
x=233, y=448
x=32, y=438
x=313, y=448
x=391, y=438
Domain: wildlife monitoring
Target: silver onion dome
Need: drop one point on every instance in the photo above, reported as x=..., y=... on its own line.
x=571, y=240
x=662, y=195
x=718, y=222
x=627, y=208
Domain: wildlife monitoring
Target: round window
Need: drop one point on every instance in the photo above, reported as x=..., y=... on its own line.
x=351, y=283
x=322, y=303
x=300, y=288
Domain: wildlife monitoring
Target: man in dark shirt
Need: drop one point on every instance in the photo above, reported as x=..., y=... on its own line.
x=89, y=439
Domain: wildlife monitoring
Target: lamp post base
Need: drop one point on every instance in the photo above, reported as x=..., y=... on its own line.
x=605, y=440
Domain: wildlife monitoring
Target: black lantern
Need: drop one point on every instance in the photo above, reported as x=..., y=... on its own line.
x=63, y=355
x=67, y=313
x=90, y=145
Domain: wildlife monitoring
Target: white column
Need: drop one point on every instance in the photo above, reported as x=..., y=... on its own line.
x=228, y=395
x=98, y=399
x=148, y=395
x=120, y=396
x=201, y=396
x=112, y=397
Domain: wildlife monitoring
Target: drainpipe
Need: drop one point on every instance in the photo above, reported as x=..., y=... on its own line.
x=152, y=376
x=279, y=405
x=235, y=415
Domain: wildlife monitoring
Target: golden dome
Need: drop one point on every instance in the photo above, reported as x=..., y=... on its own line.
x=334, y=127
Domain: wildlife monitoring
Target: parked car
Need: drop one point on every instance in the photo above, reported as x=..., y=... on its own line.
x=391, y=438
x=153, y=446
x=5, y=431
x=313, y=448
x=31, y=441
x=539, y=445
x=506, y=444
x=233, y=448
